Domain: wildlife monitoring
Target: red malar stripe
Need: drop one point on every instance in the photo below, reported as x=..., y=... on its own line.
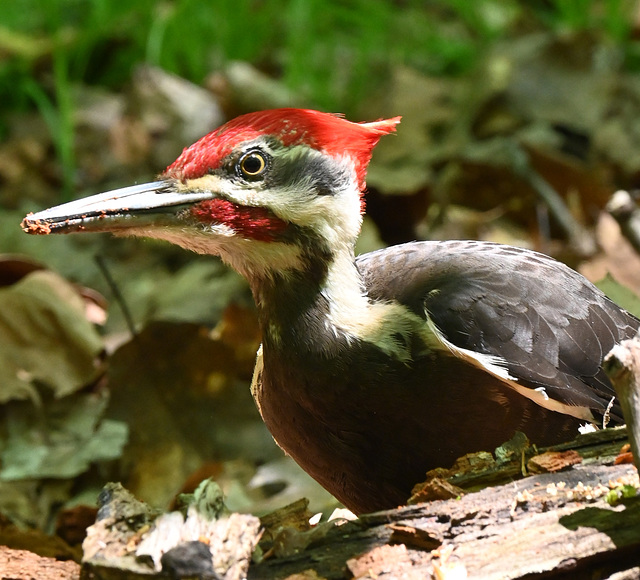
x=255, y=223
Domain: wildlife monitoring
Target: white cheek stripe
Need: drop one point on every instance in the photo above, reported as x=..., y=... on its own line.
x=497, y=367
x=222, y=230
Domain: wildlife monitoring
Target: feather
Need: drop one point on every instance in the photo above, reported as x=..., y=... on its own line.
x=548, y=324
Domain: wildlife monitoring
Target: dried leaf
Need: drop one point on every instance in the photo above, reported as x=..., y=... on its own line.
x=46, y=338
x=179, y=392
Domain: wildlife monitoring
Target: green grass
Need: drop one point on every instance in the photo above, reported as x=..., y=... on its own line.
x=613, y=17
x=332, y=52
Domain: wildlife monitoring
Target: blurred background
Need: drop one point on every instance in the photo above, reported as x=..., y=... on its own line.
x=130, y=360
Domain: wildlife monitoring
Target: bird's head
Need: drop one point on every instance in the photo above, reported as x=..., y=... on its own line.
x=258, y=191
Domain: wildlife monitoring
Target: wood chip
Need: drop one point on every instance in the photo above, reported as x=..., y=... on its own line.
x=413, y=537
x=433, y=489
x=553, y=461
x=380, y=560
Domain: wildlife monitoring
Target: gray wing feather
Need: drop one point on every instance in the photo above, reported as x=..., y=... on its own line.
x=551, y=326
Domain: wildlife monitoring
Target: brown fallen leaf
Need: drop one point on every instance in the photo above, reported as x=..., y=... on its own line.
x=46, y=338
x=625, y=455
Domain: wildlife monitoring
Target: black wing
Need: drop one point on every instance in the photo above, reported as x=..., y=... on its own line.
x=549, y=325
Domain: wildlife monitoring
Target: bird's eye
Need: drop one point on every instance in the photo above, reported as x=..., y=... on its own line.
x=252, y=164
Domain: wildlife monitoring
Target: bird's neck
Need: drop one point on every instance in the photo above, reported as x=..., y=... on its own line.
x=322, y=290
x=317, y=308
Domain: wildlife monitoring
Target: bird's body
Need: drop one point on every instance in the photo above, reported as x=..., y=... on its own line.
x=372, y=370
x=333, y=398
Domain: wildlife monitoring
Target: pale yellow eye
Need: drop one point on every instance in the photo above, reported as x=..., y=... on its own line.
x=252, y=164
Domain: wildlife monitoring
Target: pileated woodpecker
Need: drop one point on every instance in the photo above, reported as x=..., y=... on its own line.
x=372, y=369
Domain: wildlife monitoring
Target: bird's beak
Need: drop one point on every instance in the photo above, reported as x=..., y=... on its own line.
x=119, y=209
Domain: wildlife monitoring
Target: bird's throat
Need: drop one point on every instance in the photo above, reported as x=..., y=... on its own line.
x=326, y=305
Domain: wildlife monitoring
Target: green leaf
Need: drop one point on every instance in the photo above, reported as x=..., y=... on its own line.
x=61, y=440
x=620, y=294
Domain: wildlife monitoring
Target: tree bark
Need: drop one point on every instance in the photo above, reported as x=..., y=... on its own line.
x=552, y=525
x=580, y=519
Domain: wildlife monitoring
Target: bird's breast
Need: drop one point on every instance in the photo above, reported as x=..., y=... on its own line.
x=368, y=427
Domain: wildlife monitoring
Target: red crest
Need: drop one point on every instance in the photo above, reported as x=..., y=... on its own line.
x=325, y=132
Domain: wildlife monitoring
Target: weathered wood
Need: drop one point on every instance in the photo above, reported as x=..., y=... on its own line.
x=558, y=525
x=571, y=523
x=622, y=365
x=625, y=211
x=131, y=541
x=517, y=458
x=575, y=523
x=25, y=565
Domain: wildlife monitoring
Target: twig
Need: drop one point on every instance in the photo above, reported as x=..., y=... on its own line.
x=578, y=235
x=622, y=364
x=624, y=210
x=117, y=295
